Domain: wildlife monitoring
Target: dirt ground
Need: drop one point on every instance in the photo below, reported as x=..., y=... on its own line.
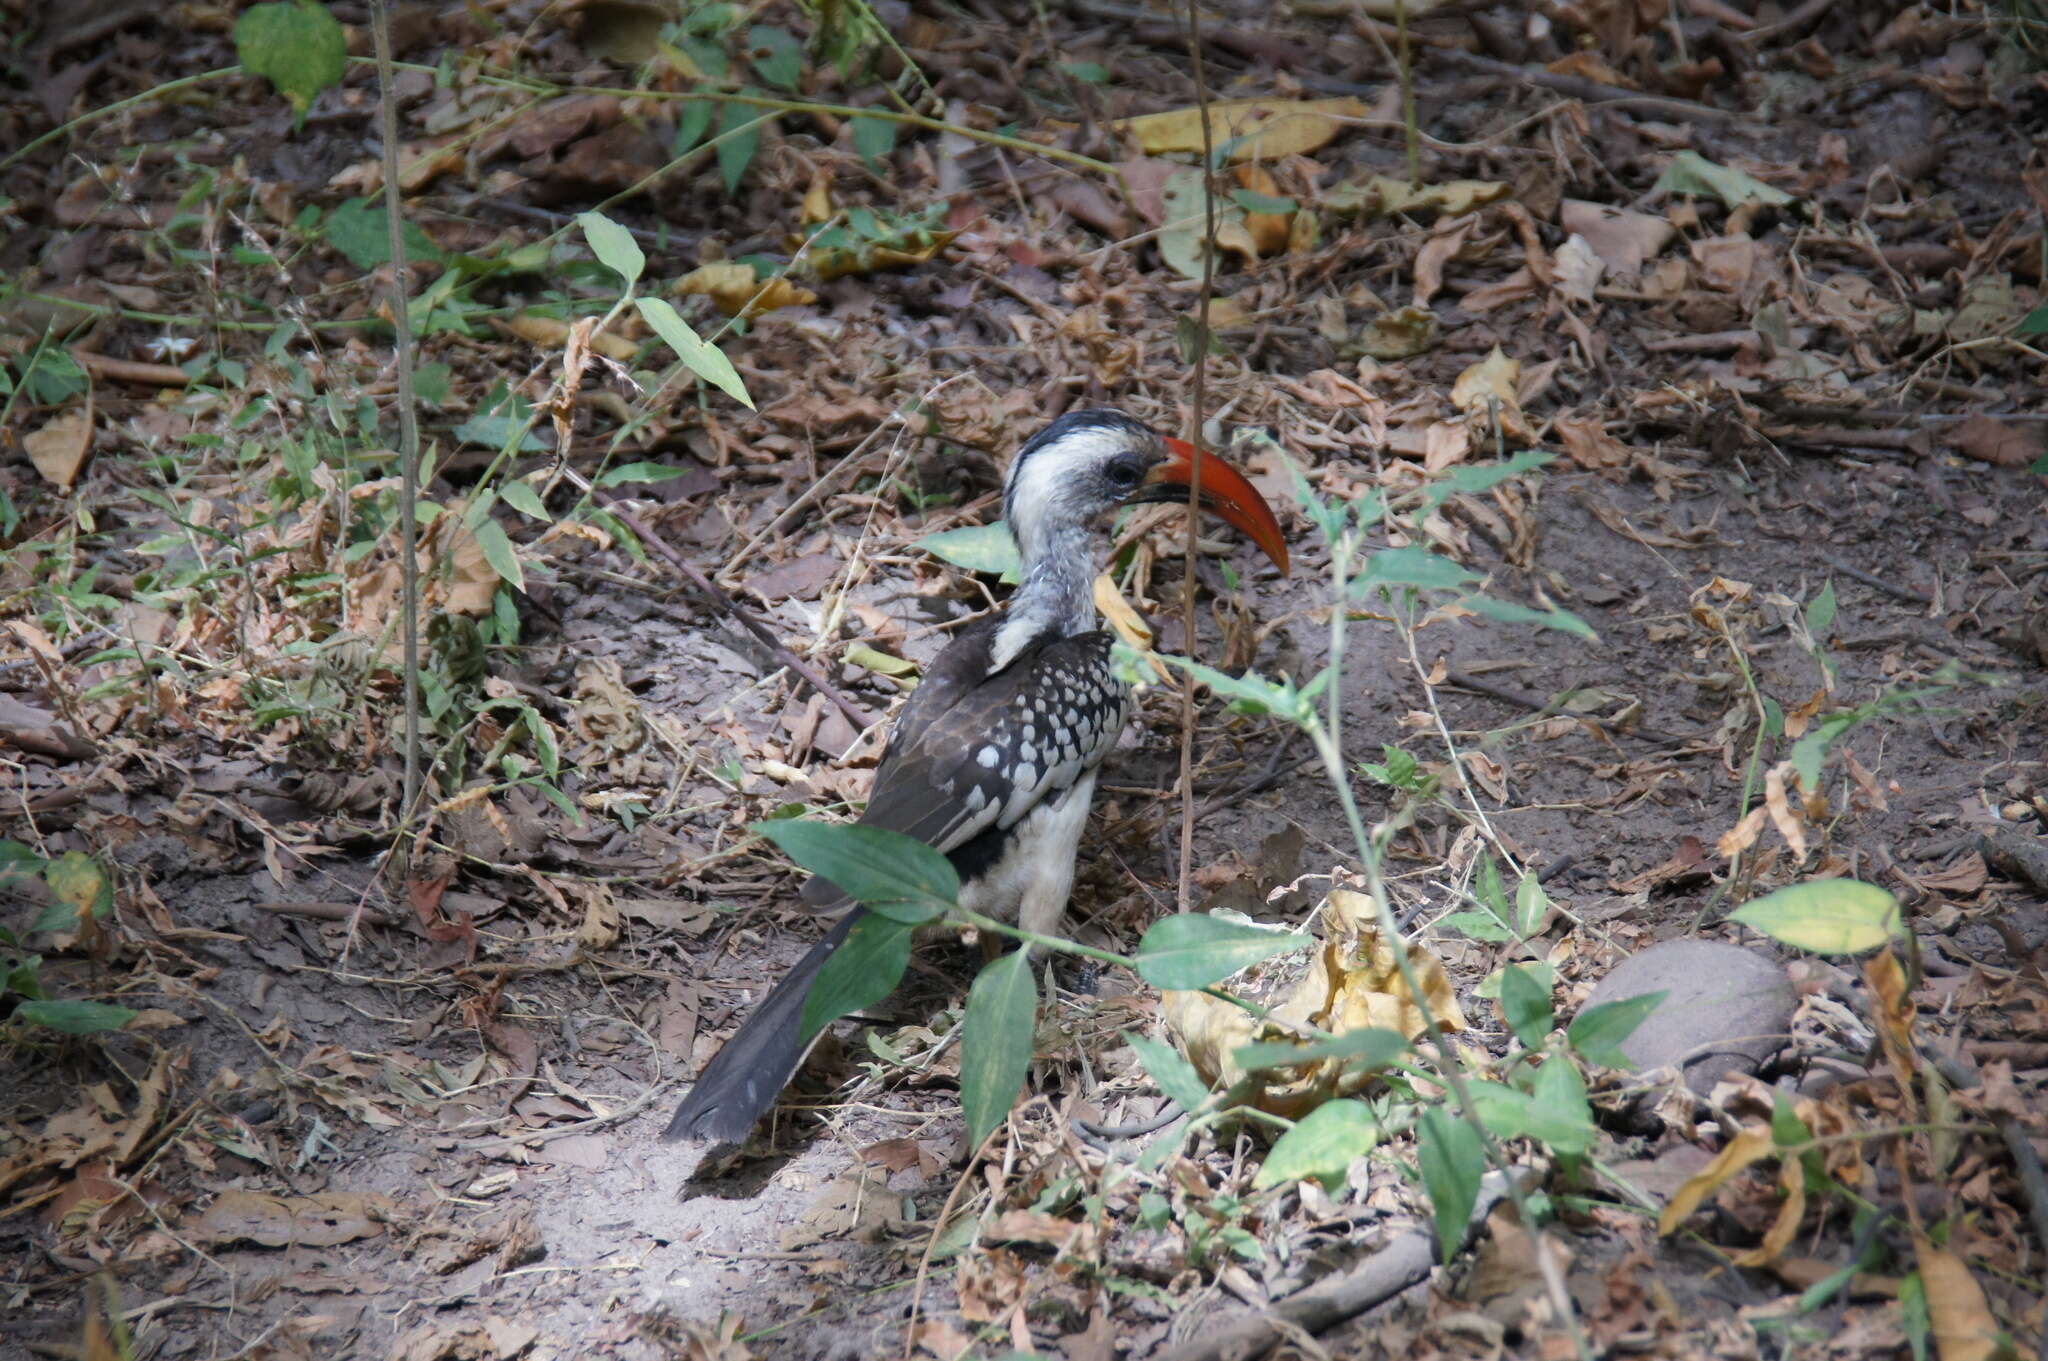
x=422, y=1124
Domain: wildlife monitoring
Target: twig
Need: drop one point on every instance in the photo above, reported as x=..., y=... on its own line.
x=408, y=418
x=711, y=592
x=1592, y=91
x=1876, y=583
x=1550, y=708
x=1197, y=399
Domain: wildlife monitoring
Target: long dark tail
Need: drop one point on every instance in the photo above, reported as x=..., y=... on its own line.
x=744, y=1077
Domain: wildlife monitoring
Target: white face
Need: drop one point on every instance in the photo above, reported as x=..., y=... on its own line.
x=1080, y=467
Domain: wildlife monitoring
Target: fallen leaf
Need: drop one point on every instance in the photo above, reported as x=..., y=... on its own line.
x=1377, y=195
x=1486, y=391
x=1964, y=1329
x=60, y=448
x=1990, y=440
x=733, y=289
x=1576, y=269
x=1621, y=237
x=1251, y=129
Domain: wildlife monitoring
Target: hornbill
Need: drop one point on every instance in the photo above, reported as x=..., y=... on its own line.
x=993, y=757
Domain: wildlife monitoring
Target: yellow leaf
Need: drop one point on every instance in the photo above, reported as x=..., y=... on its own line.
x=551, y=333
x=1257, y=129
x=1486, y=392
x=1378, y=195
x=1351, y=983
x=1792, y=1177
x=1268, y=231
x=1129, y=625
x=1964, y=1329
x=1752, y=1145
x=733, y=289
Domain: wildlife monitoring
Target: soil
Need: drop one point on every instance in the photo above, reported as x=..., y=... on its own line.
x=474, y=1071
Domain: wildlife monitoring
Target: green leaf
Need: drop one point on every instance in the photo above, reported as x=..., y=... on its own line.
x=1532, y=905
x=1087, y=72
x=737, y=143
x=75, y=1018
x=698, y=355
x=1564, y=1117
x=1812, y=748
x=1526, y=1002
x=693, y=120
x=1323, y=1144
x=996, y=1040
x=614, y=246
x=1253, y=694
x=1506, y=612
x=978, y=548
x=1180, y=234
x=865, y=968
x=1549, y=1117
x=17, y=859
x=639, y=472
x=1825, y=916
x=1451, y=1160
x=521, y=496
x=1191, y=950
x=80, y=883
x=1368, y=1047
x=895, y=875
x=776, y=55
x=359, y=231
x=1597, y=1033
x=1692, y=173
x=499, y=552
x=1175, y=1077
x=874, y=139
x=2033, y=323
x=1411, y=566
x=1820, y=611
x=1916, y=1317
x=297, y=45
x=1253, y=201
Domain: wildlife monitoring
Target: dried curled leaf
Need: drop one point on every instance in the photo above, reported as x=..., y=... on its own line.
x=1350, y=983
x=733, y=289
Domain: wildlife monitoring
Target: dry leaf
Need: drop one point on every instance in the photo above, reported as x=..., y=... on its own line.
x=1752, y=1145
x=1259, y=129
x=1576, y=269
x=1269, y=232
x=1621, y=237
x=1377, y=195
x=1964, y=1329
x=1785, y=816
x=733, y=289
x=60, y=448
x=552, y=333
x=1487, y=390
x=1350, y=982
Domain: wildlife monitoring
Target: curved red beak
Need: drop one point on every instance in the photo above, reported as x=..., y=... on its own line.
x=1223, y=491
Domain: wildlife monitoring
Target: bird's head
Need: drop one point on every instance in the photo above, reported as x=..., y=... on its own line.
x=1086, y=464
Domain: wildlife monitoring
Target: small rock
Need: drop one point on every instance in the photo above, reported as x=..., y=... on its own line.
x=1727, y=1010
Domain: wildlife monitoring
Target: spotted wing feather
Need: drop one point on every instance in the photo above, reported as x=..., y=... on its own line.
x=973, y=753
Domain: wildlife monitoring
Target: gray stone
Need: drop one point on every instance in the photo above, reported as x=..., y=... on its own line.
x=1727, y=1010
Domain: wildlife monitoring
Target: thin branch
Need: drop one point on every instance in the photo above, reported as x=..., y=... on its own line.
x=408, y=415
x=1195, y=423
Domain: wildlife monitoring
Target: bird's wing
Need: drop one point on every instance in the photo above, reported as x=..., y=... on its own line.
x=974, y=751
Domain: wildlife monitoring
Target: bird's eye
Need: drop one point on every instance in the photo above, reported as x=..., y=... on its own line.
x=1125, y=472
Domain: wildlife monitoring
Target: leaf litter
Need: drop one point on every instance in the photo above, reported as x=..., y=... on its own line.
x=1785, y=347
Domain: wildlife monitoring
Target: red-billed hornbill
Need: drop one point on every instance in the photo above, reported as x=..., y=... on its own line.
x=993, y=757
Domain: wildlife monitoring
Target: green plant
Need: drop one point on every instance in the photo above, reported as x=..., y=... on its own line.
x=82, y=894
